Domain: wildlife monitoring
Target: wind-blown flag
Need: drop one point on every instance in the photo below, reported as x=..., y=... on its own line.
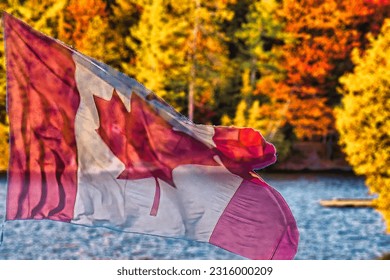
x=91, y=146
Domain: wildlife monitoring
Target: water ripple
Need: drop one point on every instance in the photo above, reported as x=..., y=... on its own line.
x=325, y=233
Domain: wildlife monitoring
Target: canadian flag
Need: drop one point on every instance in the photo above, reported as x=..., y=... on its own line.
x=92, y=146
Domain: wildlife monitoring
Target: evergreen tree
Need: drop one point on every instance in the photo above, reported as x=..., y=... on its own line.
x=261, y=37
x=261, y=34
x=123, y=14
x=181, y=51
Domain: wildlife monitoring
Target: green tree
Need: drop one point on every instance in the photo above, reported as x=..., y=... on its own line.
x=363, y=120
x=123, y=15
x=261, y=37
x=181, y=51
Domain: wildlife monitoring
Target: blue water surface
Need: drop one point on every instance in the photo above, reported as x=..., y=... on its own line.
x=325, y=233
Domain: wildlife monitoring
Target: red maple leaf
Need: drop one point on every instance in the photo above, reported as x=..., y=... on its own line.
x=145, y=142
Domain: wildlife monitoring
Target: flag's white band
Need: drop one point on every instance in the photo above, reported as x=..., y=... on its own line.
x=190, y=210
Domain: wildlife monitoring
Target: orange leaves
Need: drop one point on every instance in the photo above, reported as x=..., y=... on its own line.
x=82, y=12
x=86, y=9
x=379, y=2
x=223, y=51
x=325, y=33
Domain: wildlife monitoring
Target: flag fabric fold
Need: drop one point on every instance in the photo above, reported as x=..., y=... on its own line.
x=91, y=146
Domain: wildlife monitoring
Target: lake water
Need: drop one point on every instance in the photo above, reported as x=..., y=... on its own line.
x=325, y=233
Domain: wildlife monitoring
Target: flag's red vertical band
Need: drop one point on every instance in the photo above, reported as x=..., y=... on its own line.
x=42, y=103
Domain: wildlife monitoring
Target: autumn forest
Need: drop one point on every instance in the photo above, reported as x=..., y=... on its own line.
x=297, y=70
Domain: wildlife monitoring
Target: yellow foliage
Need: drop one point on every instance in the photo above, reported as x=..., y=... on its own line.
x=246, y=89
x=88, y=29
x=364, y=118
x=241, y=118
x=258, y=117
x=45, y=15
x=180, y=49
x=84, y=24
x=4, y=150
x=225, y=120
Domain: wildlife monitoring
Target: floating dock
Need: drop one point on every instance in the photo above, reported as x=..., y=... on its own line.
x=348, y=202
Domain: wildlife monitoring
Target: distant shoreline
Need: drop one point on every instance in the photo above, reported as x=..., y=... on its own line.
x=272, y=170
